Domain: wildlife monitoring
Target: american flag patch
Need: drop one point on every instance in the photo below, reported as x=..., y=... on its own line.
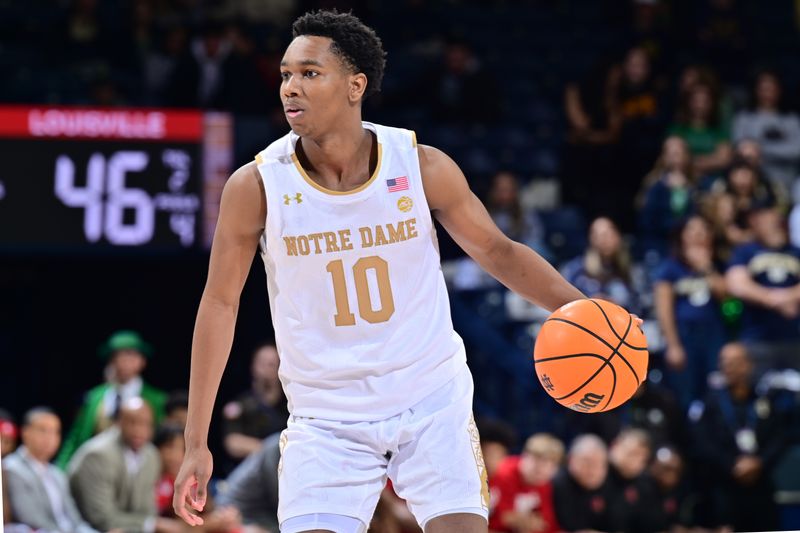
x=397, y=184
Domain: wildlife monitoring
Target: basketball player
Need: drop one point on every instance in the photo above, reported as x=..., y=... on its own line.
x=375, y=376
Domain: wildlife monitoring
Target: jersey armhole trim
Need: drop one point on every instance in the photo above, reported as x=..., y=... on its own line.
x=413, y=139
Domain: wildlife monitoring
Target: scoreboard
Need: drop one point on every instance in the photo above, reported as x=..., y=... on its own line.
x=105, y=179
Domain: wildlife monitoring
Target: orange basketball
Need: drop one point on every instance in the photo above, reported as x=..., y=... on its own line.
x=590, y=355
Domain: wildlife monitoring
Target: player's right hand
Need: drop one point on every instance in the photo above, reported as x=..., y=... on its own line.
x=191, y=485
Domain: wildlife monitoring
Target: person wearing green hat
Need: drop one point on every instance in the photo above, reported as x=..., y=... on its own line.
x=127, y=353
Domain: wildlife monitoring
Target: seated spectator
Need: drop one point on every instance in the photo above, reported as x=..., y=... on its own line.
x=172, y=448
x=740, y=436
x=668, y=512
x=604, y=270
x=746, y=186
x=699, y=124
x=252, y=488
x=719, y=208
x=765, y=275
x=177, y=408
x=113, y=475
x=497, y=440
x=629, y=456
x=506, y=210
x=776, y=130
x=198, y=77
x=583, y=497
x=688, y=290
x=522, y=490
x=667, y=197
x=38, y=492
x=259, y=412
x=8, y=433
x=127, y=355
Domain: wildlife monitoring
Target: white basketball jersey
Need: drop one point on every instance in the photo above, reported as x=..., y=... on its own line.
x=359, y=304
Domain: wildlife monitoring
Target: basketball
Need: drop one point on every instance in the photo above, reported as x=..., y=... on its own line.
x=590, y=355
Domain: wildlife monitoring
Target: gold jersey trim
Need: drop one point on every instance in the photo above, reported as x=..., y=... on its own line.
x=319, y=187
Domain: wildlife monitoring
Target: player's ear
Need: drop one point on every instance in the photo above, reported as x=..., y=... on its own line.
x=358, y=84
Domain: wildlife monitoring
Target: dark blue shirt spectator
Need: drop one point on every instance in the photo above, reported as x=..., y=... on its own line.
x=770, y=268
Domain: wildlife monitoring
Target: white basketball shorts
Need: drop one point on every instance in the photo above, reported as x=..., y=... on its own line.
x=431, y=452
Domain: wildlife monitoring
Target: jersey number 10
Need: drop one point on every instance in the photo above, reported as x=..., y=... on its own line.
x=343, y=316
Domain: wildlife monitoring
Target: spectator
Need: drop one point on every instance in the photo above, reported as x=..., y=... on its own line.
x=765, y=274
x=776, y=130
x=593, y=129
x=640, y=100
x=719, y=208
x=739, y=437
x=172, y=448
x=159, y=64
x=177, y=408
x=604, y=271
x=668, y=196
x=497, y=440
x=455, y=91
x=252, y=488
x=688, y=290
x=522, y=490
x=745, y=184
x=721, y=36
x=198, y=78
x=113, y=475
x=699, y=124
x=506, y=210
x=259, y=412
x=38, y=492
x=629, y=456
x=127, y=355
x=242, y=88
x=8, y=433
x=583, y=497
x=668, y=513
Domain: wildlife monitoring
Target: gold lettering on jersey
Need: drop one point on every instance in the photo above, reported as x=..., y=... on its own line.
x=340, y=240
x=366, y=237
x=302, y=245
x=330, y=242
x=344, y=239
x=316, y=237
x=291, y=245
x=380, y=237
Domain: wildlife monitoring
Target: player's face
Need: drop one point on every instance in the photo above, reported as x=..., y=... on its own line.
x=316, y=86
x=42, y=436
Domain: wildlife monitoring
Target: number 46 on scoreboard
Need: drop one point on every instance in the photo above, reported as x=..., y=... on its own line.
x=106, y=198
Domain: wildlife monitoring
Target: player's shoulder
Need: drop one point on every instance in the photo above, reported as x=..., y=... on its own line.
x=280, y=151
x=400, y=139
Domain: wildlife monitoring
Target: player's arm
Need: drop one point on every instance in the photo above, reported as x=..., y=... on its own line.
x=465, y=218
x=241, y=222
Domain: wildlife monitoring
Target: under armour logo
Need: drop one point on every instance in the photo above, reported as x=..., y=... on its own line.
x=298, y=197
x=546, y=383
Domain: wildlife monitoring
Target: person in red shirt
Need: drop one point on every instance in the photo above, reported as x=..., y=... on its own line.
x=522, y=491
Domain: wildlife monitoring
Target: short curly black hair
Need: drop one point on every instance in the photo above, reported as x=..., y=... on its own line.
x=355, y=43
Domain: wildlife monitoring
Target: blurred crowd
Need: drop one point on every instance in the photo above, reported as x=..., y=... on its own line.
x=675, y=156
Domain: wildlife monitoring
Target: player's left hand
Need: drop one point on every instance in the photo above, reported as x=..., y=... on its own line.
x=637, y=321
x=191, y=485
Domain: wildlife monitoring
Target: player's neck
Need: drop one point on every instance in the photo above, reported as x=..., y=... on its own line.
x=337, y=155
